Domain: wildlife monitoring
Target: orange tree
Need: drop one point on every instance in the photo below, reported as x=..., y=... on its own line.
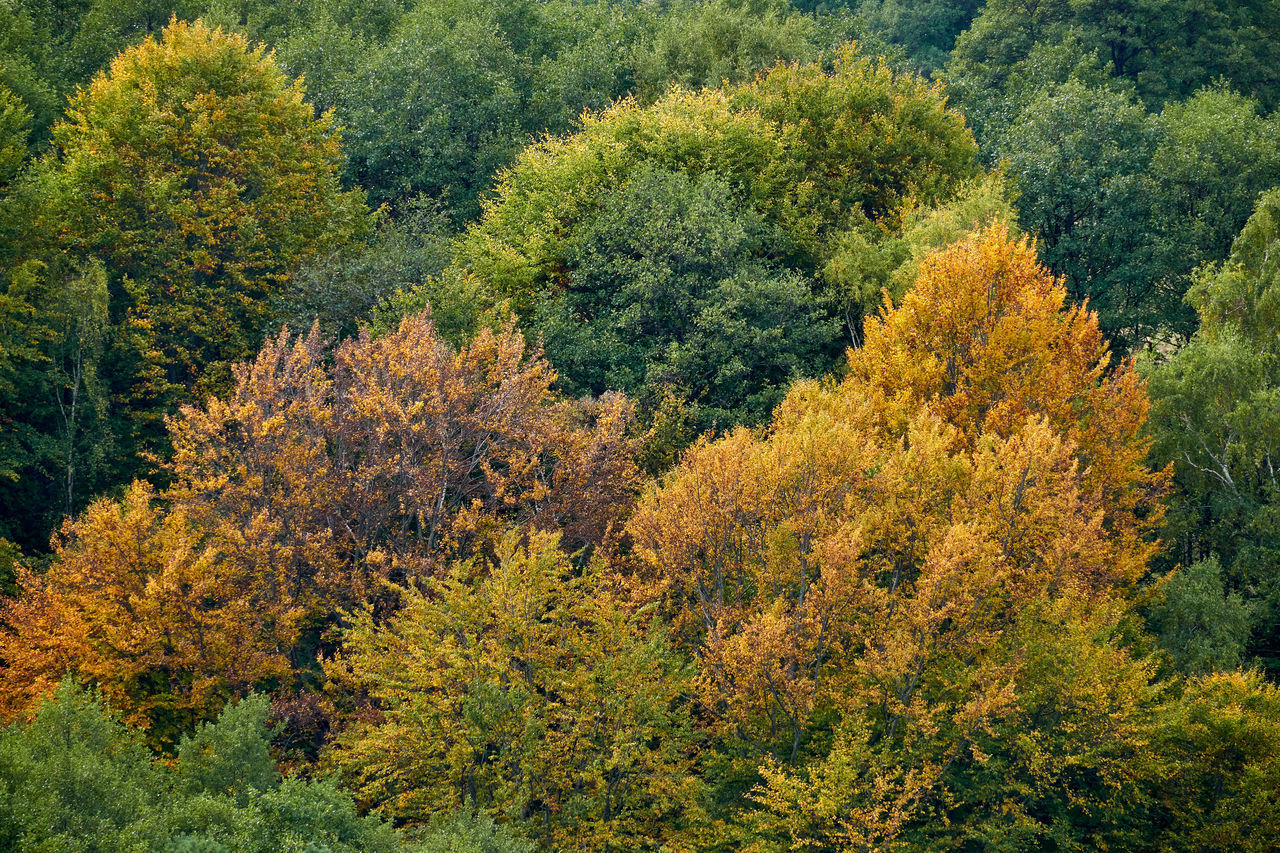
x=303, y=491
x=168, y=619
x=869, y=585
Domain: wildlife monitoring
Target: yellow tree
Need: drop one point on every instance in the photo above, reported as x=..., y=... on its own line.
x=987, y=335
x=523, y=687
x=194, y=169
x=865, y=559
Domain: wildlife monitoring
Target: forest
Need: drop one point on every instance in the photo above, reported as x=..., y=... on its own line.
x=500, y=426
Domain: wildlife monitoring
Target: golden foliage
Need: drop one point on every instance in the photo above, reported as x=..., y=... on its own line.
x=299, y=494
x=527, y=690
x=868, y=554
x=167, y=618
x=404, y=454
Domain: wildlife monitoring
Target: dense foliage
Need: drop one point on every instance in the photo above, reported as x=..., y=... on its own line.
x=873, y=586
x=183, y=187
x=75, y=778
x=704, y=425
x=1215, y=407
x=693, y=247
x=233, y=576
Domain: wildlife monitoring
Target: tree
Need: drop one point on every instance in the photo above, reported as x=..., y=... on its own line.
x=848, y=580
x=435, y=111
x=1080, y=157
x=1054, y=759
x=159, y=614
x=1203, y=627
x=926, y=30
x=76, y=778
x=351, y=286
x=718, y=212
x=403, y=453
x=858, y=141
x=438, y=96
x=15, y=128
x=85, y=41
x=1217, y=764
x=990, y=335
x=1214, y=421
x=729, y=41
x=62, y=424
x=230, y=756
x=25, y=60
x=196, y=173
x=1127, y=204
x=184, y=188
x=299, y=494
x=467, y=833
x=526, y=688
x=668, y=292
x=1212, y=162
x=866, y=262
x=1164, y=50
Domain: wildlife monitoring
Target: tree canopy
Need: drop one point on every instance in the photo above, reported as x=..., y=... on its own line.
x=884, y=579
x=1214, y=411
x=184, y=187
x=495, y=426
x=684, y=245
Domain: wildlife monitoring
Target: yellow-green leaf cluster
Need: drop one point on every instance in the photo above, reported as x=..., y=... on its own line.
x=527, y=688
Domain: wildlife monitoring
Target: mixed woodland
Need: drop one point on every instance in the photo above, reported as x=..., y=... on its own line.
x=502, y=426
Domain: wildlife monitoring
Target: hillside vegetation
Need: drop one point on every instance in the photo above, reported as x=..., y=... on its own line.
x=601, y=425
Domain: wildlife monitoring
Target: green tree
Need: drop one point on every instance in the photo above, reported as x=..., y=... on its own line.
x=1127, y=204
x=185, y=187
x=435, y=110
x=194, y=170
x=1079, y=156
x=1164, y=50
x=668, y=291
x=697, y=44
x=60, y=427
x=1202, y=626
x=15, y=130
x=25, y=54
x=346, y=288
x=74, y=776
x=686, y=244
x=1216, y=765
x=230, y=756
x=441, y=96
x=87, y=41
x=76, y=779
x=1214, y=158
x=463, y=832
x=1215, y=420
x=926, y=29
